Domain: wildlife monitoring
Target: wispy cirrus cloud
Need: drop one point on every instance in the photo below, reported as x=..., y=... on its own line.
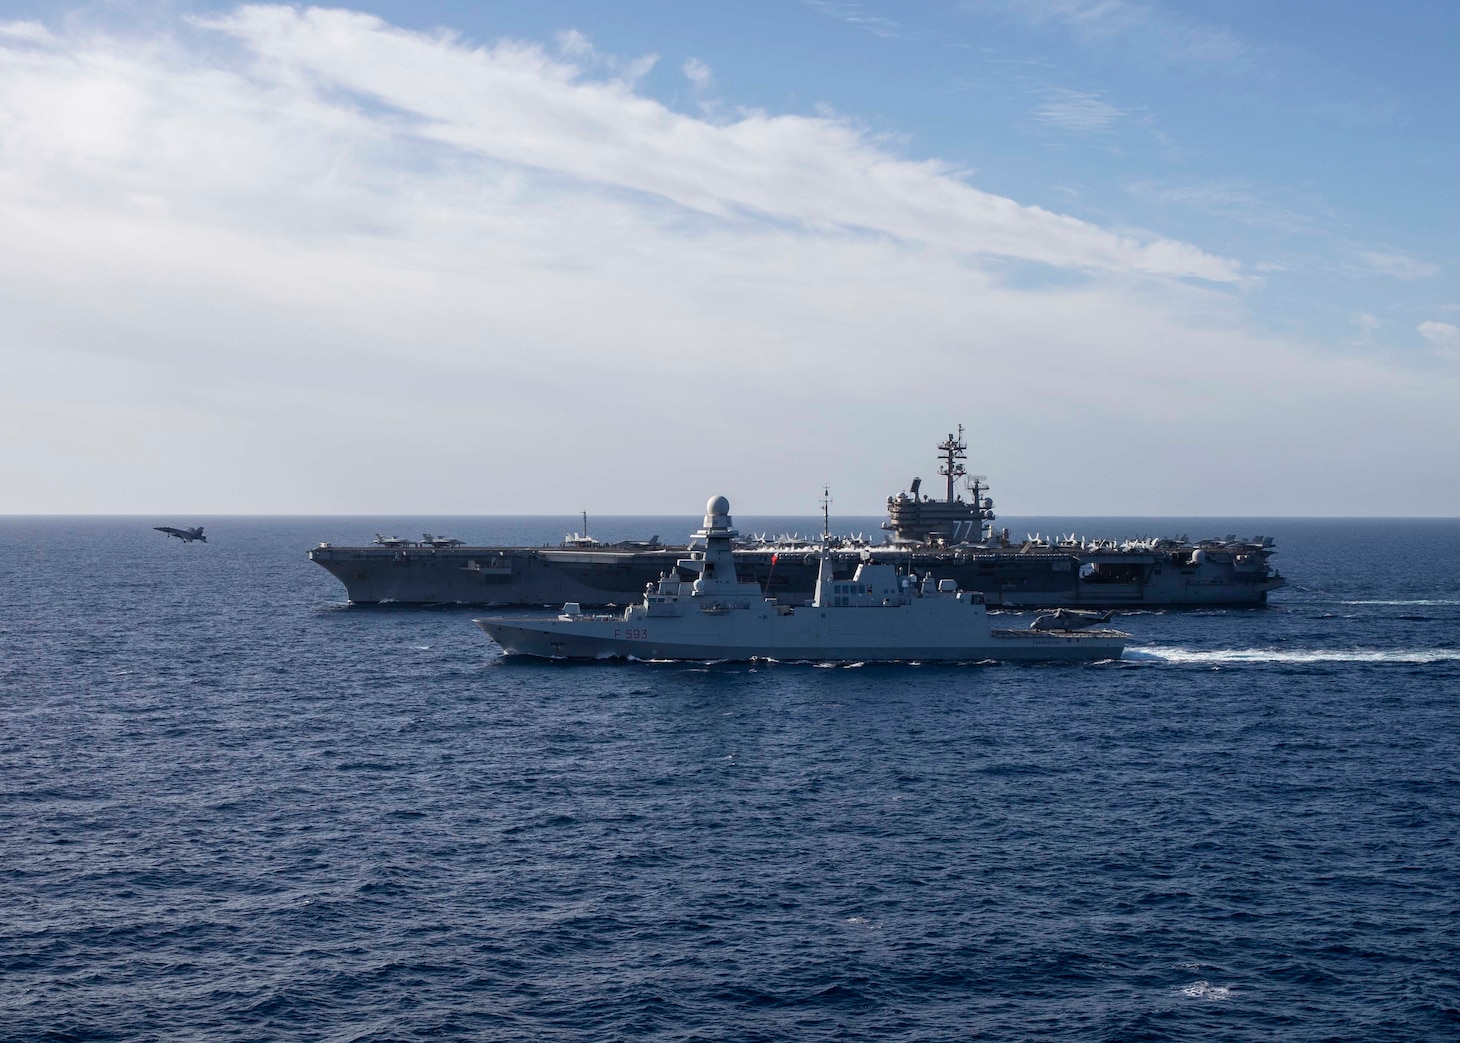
x=513, y=103
x=1084, y=112
x=855, y=15
x=1161, y=36
x=1396, y=263
x=698, y=73
x=1443, y=338
x=33, y=32
x=702, y=87
x=1244, y=202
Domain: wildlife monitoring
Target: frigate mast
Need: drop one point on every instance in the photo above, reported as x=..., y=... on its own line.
x=954, y=450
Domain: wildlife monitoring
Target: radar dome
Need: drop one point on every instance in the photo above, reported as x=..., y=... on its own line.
x=717, y=505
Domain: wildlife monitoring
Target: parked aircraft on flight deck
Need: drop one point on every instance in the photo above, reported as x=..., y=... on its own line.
x=439, y=541
x=186, y=535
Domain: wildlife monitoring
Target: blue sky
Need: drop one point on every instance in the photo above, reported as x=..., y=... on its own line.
x=1161, y=258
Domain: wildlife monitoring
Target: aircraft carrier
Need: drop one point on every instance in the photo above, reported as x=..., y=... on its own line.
x=952, y=538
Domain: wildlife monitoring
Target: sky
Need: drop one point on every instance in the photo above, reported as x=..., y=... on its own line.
x=1159, y=258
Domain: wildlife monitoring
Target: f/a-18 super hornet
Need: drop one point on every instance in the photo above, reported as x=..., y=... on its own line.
x=391, y=541
x=439, y=541
x=186, y=535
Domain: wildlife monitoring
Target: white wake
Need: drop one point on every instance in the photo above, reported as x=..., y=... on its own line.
x=1296, y=657
x=1404, y=603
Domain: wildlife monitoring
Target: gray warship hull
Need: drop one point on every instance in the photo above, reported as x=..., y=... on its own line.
x=1038, y=577
x=951, y=539
x=853, y=640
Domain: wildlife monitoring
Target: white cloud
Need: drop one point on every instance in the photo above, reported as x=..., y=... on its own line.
x=573, y=44
x=514, y=104
x=1366, y=321
x=1398, y=264
x=342, y=267
x=857, y=18
x=1078, y=111
x=33, y=32
x=1248, y=204
x=698, y=73
x=1160, y=35
x=1443, y=337
x=577, y=48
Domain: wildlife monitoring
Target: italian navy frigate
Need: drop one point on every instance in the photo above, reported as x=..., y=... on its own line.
x=952, y=538
x=705, y=610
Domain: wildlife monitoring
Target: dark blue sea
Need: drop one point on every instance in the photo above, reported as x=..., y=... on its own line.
x=233, y=807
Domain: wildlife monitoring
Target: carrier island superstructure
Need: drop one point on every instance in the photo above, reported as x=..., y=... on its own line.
x=952, y=538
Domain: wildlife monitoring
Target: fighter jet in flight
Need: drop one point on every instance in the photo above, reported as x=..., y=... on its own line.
x=186, y=535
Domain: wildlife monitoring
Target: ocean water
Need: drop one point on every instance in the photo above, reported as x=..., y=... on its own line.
x=233, y=807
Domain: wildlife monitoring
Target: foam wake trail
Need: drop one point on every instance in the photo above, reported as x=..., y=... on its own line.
x=1297, y=657
x=1418, y=601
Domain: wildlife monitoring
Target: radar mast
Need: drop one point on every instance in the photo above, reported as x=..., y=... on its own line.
x=954, y=450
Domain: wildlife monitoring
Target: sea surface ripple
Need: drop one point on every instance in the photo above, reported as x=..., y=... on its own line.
x=235, y=808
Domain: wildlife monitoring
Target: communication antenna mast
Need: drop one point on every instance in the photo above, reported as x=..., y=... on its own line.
x=954, y=450
x=825, y=513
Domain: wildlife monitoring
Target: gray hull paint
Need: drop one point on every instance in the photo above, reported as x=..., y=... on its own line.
x=533, y=640
x=531, y=576
x=544, y=641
